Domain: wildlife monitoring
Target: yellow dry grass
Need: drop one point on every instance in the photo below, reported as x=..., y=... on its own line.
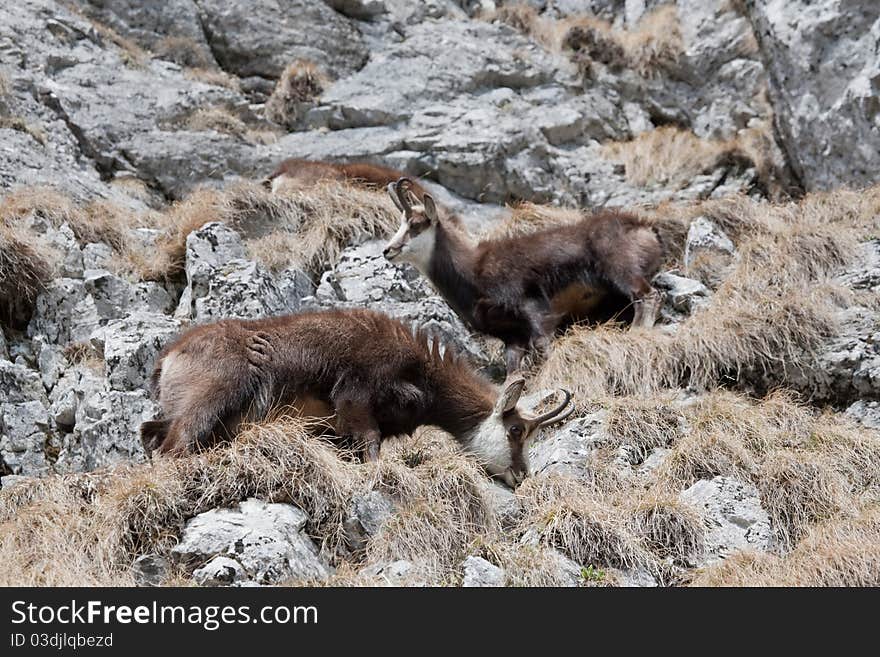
x=214, y=77
x=669, y=155
x=306, y=228
x=26, y=265
x=92, y=526
x=222, y=120
x=654, y=44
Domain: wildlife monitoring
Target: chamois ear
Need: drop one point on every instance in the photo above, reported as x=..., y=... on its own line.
x=510, y=395
x=430, y=208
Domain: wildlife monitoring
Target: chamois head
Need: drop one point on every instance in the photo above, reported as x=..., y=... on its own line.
x=500, y=441
x=414, y=240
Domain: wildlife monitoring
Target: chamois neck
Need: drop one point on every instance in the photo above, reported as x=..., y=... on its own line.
x=451, y=268
x=461, y=400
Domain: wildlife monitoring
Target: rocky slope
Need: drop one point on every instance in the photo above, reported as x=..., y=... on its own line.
x=735, y=443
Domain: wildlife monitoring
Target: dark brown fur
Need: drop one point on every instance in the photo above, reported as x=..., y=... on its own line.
x=366, y=368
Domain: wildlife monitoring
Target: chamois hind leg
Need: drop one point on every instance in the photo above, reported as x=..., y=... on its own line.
x=215, y=414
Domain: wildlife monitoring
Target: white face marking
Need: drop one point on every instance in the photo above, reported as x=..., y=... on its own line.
x=417, y=250
x=489, y=444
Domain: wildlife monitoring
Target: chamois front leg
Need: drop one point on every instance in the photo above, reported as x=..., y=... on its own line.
x=542, y=324
x=647, y=304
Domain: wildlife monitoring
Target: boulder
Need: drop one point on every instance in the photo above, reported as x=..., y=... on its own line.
x=733, y=517
x=19, y=383
x=263, y=37
x=220, y=571
x=150, y=569
x=568, y=450
x=481, y=573
x=24, y=429
x=682, y=296
x=72, y=310
x=367, y=514
x=131, y=347
x=106, y=430
x=266, y=540
x=823, y=60
x=708, y=252
x=221, y=283
x=866, y=413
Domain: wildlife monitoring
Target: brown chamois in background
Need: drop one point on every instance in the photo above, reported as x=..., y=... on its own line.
x=522, y=289
x=367, y=374
x=303, y=173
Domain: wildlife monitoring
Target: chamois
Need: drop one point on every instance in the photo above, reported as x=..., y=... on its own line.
x=522, y=289
x=367, y=374
x=309, y=172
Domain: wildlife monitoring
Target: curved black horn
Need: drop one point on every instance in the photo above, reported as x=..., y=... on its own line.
x=392, y=192
x=553, y=415
x=402, y=186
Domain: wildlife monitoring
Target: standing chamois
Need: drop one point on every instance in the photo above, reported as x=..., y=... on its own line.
x=366, y=373
x=522, y=289
x=308, y=172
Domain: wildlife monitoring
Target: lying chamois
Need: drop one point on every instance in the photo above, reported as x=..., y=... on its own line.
x=365, y=372
x=522, y=289
x=303, y=173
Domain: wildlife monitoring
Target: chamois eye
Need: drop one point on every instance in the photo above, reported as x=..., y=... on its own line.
x=516, y=431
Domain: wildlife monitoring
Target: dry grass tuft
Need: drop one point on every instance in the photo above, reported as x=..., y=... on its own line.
x=643, y=424
x=214, y=77
x=220, y=119
x=91, y=527
x=25, y=267
x=316, y=224
x=581, y=524
x=300, y=84
x=442, y=508
x=704, y=456
x=672, y=156
x=98, y=221
x=799, y=491
x=653, y=45
x=306, y=228
x=669, y=529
